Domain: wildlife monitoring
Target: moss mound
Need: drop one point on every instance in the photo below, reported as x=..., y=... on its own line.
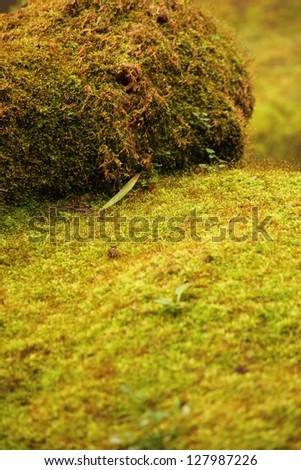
x=94, y=91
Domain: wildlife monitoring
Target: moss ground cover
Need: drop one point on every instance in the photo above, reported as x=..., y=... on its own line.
x=91, y=359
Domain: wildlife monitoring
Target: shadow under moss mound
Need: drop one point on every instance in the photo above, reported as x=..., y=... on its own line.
x=94, y=91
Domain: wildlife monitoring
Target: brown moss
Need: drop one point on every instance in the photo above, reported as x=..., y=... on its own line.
x=94, y=91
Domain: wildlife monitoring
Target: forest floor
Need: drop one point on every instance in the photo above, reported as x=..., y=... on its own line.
x=188, y=339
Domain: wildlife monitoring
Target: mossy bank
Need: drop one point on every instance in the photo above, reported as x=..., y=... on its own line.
x=94, y=91
x=90, y=360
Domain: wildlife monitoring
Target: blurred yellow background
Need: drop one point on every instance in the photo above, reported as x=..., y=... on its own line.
x=270, y=32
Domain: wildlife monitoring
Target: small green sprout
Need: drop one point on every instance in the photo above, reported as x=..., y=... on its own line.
x=173, y=306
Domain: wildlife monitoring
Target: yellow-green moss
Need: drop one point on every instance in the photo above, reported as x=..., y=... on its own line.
x=89, y=360
x=92, y=92
x=270, y=30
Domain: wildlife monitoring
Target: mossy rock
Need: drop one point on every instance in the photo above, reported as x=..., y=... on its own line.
x=94, y=91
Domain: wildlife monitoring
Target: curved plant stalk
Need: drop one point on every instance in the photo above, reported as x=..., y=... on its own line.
x=123, y=192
